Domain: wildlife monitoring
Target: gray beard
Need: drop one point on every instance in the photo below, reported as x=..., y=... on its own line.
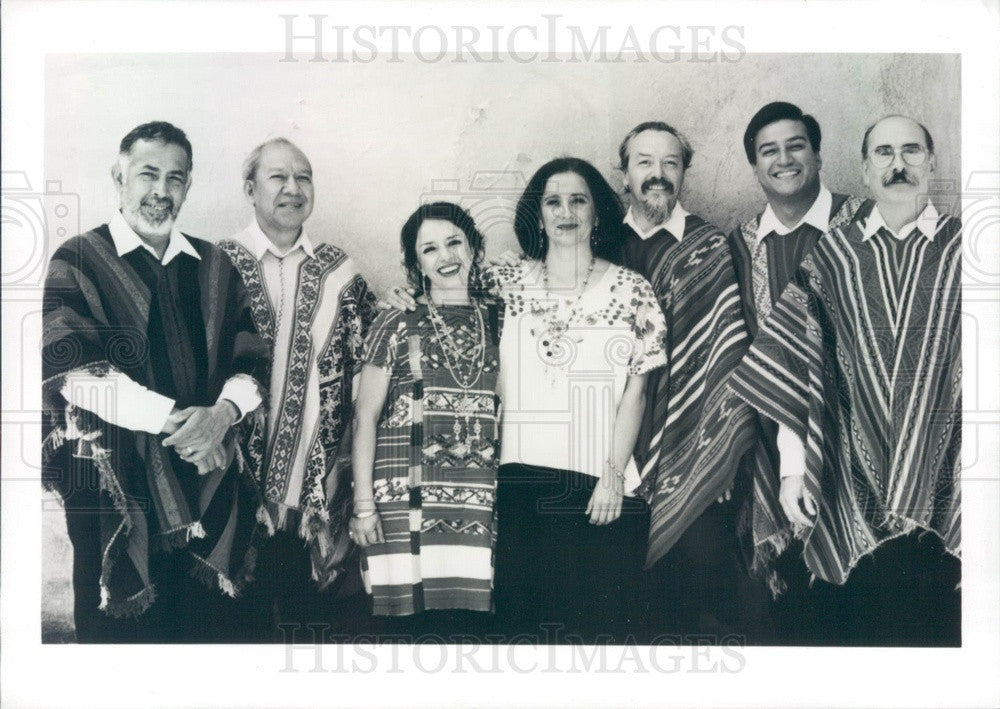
x=653, y=213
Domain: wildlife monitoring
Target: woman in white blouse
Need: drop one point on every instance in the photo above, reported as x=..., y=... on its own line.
x=580, y=334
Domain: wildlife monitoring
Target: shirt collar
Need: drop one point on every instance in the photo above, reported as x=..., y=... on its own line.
x=674, y=224
x=258, y=243
x=925, y=223
x=126, y=241
x=818, y=216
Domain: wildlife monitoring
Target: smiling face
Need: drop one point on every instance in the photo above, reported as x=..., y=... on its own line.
x=281, y=190
x=444, y=256
x=787, y=166
x=898, y=182
x=655, y=173
x=567, y=212
x=152, y=181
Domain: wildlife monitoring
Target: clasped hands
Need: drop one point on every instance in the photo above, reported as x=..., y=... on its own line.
x=198, y=434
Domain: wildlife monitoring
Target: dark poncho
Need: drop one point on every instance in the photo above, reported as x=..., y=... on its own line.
x=181, y=330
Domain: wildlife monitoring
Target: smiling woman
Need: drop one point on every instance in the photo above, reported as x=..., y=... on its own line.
x=425, y=441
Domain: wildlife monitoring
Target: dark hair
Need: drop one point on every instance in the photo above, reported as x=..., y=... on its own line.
x=167, y=133
x=687, y=152
x=448, y=212
x=927, y=134
x=606, y=241
x=772, y=113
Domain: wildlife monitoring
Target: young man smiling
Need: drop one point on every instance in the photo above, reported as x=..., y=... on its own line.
x=782, y=145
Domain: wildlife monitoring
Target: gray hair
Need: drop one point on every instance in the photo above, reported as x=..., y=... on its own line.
x=252, y=162
x=687, y=152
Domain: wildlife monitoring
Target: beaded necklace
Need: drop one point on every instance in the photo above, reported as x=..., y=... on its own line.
x=474, y=355
x=555, y=328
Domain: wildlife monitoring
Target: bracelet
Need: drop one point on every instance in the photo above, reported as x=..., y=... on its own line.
x=615, y=470
x=365, y=515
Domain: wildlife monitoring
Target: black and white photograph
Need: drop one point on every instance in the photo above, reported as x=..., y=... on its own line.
x=418, y=354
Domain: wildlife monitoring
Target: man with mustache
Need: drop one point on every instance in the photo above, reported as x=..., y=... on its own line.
x=313, y=309
x=782, y=146
x=694, y=431
x=151, y=364
x=860, y=359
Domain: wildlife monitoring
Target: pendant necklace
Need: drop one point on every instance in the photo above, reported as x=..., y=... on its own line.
x=555, y=328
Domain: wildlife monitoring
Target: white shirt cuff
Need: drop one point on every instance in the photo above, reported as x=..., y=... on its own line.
x=242, y=391
x=791, y=452
x=119, y=400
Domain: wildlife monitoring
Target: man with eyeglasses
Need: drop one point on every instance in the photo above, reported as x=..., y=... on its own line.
x=861, y=360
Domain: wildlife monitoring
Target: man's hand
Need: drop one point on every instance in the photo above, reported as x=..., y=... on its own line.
x=174, y=421
x=203, y=431
x=218, y=458
x=794, y=498
x=398, y=298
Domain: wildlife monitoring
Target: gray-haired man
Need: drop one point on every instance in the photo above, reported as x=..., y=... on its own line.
x=313, y=309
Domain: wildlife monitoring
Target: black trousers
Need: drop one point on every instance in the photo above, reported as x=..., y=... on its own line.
x=185, y=610
x=904, y=594
x=288, y=606
x=559, y=578
x=702, y=587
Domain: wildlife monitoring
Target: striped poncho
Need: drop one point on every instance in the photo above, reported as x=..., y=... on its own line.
x=102, y=313
x=694, y=430
x=861, y=357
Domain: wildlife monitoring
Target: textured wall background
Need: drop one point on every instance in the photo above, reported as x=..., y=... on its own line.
x=382, y=136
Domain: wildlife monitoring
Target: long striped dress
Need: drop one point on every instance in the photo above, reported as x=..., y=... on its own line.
x=435, y=467
x=861, y=357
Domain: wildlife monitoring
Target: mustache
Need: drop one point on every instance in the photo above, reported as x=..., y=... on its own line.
x=657, y=182
x=898, y=177
x=166, y=203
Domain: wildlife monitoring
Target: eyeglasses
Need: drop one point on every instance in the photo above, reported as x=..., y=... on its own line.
x=913, y=155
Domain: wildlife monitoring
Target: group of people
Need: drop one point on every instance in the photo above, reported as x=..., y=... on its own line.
x=640, y=426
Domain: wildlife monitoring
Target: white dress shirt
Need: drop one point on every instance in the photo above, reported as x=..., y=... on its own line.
x=817, y=216
x=119, y=399
x=280, y=271
x=674, y=223
x=925, y=223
